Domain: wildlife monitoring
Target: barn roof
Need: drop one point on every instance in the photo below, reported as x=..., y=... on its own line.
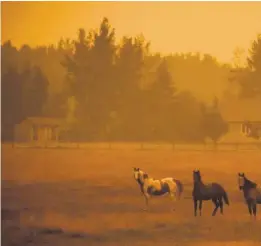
x=44, y=121
x=241, y=110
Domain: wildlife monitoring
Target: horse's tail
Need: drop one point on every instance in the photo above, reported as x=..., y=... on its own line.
x=179, y=186
x=225, y=197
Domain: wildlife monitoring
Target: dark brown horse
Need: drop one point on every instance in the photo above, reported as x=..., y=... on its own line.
x=252, y=194
x=204, y=192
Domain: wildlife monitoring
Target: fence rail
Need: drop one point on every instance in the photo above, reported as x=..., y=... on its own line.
x=224, y=146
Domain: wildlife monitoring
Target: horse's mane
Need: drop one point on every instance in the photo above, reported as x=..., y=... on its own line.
x=145, y=176
x=250, y=183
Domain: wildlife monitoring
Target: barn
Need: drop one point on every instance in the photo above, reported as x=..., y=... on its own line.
x=237, y=113
x=38, y=130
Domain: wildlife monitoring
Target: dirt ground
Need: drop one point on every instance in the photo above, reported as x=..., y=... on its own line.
x=64, y=197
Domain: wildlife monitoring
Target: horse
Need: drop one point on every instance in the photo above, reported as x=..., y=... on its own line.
x=157, y=187
x=252, y=193
x=204, y=192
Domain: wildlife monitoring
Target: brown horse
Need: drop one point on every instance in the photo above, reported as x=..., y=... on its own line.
x=252, y=194
x=204, y=192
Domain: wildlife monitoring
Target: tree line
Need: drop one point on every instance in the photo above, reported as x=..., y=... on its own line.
x=108, y=91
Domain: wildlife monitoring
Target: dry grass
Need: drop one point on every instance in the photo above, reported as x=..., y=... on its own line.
x=91, y=197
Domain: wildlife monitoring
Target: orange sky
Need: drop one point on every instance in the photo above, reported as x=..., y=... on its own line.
x=211, y=27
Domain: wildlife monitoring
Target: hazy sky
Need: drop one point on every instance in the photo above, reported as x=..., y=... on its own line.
x=211, y=27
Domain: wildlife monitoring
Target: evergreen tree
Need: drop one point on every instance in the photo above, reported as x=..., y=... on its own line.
x=11, y=100
x=213, y=124
x=162, y=98
x=35, y=92
x=130, y=98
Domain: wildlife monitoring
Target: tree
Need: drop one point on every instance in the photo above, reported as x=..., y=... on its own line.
x=249, y=78
x=122, y=91
x=78, y=66
x=9, y=57
x=187, y=118
x=90, y=73
x=254, y=59
x=101, y=101
x=11, y=100
x=213, y=125
x=70, y=122
x=238, y=58
x=254, y=63
x=201, y=74
x=35, y=91
x=162, y=96
x=130, y=98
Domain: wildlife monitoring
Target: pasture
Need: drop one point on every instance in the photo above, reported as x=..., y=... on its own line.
x=88, y=197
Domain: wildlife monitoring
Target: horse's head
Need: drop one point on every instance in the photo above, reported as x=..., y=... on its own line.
x=196, y=176
x=241, y=180
x=139, y=175
x=244, y=182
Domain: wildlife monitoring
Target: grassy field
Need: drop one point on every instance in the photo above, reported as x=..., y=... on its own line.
x=66, y=197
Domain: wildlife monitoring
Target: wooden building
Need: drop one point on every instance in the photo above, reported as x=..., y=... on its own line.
x=237, y=113
x=40, y=130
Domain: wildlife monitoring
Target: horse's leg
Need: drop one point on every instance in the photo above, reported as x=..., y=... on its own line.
x=146, y=202
x=221, y=205
x=173, y=197
x=200, y=207
x=215, y=201
x=254, y=208
x=249, y=204
x=195, y=206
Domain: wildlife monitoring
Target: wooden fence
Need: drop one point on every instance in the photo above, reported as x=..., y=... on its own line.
x=225, y=146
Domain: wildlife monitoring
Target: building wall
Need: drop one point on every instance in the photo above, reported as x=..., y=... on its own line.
x=26, y=132
x=46, y=134
x=235, y=134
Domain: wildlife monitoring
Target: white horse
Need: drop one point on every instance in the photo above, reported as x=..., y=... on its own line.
x=157, y=187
